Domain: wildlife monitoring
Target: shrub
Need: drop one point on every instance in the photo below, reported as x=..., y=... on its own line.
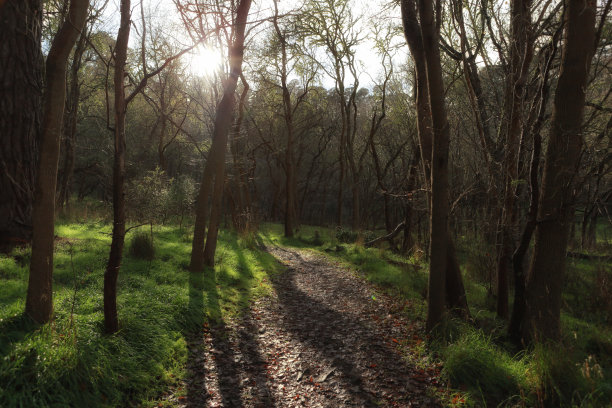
x=142, y=247
x=485, y=371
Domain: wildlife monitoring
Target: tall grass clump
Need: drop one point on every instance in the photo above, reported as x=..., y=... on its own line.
x=142, y=247
x=488, y=373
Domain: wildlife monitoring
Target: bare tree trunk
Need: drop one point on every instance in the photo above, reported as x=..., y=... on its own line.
x=21, y=64
x=215, y=166
x=520, y=59
x=454, y=291
x=39, y=300
x=438, y=246
x=544, y=284
x=111, y=322
x=70, y=122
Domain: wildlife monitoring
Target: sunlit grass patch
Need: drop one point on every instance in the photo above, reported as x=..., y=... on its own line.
x=70, y=362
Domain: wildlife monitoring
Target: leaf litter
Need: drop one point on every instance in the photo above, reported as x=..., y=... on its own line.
x=324, y=338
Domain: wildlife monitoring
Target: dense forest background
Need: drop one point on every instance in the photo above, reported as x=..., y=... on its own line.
x=470, y=137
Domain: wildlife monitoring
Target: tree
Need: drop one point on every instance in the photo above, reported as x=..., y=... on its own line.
x=213, y=177
x=544, y=283
x=21, y=76
x=39, y=301
x=445, y=280
x=121, y=102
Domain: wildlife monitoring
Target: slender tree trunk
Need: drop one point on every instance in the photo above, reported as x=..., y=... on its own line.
x=544, y=284
x=70, y=122
x=520, y=59
x=39, y=300
x=111, y=322
x=21, y=64
x=215, y=166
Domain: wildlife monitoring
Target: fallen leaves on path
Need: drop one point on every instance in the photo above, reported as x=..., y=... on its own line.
x=325, y=338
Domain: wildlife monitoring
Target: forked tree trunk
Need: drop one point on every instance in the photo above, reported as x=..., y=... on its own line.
x=39, y=300
x=21, y=64
x=544, y=284
x=111, y=322
x=215, y=166
x=454, y=291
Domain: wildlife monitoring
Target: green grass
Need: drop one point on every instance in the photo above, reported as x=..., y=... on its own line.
x=477, y=358
x=69, y=362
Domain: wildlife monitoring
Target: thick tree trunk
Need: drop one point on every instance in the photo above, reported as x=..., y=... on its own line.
x=21, y=68
x=39, y=300
x=438, y=247
x=215, y=166
x=544, y=284
x=111, y=322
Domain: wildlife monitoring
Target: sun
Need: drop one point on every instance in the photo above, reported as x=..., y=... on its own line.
x=204, y=61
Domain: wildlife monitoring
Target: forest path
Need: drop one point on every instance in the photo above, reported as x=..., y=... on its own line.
x=324, y=338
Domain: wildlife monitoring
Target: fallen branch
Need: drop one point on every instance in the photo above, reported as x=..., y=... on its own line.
x=387, y=237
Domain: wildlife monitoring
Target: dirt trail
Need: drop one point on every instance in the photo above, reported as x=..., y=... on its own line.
x=325, y=338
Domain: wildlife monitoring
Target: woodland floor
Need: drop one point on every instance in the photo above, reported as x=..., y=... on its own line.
x=324, y=338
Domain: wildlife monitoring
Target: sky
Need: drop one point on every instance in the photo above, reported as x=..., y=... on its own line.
x=203, y=60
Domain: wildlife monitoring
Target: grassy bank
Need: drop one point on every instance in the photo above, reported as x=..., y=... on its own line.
x=476, y=356
x=71, y=363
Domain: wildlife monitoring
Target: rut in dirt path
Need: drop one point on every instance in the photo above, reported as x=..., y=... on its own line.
x=325, y=338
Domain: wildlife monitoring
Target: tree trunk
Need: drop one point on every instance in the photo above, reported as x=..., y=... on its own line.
x=520, y=59
x=215, y=166
x=70, y=123
x=111, y=322
x=544, y=284
x=416, y=43
x=21, y=67
x=438, y=246
x=39, y=300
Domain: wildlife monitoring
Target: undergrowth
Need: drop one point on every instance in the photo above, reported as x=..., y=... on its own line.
x=70, y=362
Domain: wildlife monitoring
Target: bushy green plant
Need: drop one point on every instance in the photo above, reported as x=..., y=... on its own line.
x=147, y=197
x=181, y=197
x=473, y=362
x=345, y=236
x=141, y=246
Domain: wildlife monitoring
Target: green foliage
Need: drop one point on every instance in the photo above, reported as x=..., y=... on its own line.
x=181, y=196
x=147, y=197
x=141, y=246
x=71, y=363
x=489, y=373
x=476, y=358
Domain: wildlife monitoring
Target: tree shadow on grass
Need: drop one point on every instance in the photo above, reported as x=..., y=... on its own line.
x=238, y=365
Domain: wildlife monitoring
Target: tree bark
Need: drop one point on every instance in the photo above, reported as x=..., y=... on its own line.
x=520, y=59
x=438, y=247
x=544, y=284
x=454, y=291
x=39, y=300
x=111, y=322
x=21, y=64
x=215, y=166
x=70, y=123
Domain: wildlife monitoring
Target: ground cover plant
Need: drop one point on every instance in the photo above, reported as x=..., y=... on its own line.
x=477, y=356
x=71, y=362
